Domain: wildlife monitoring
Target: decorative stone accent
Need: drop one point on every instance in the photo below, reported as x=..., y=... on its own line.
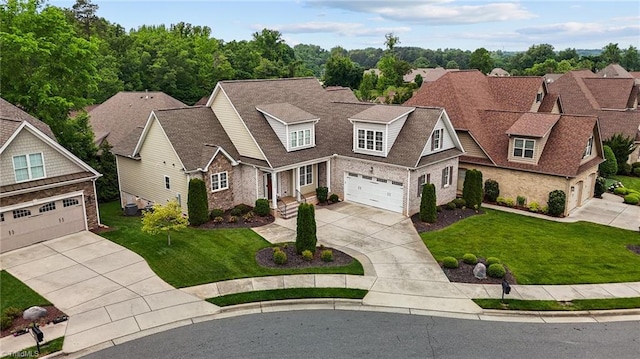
x=223, y=198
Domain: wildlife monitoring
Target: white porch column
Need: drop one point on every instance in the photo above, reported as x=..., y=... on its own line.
x=274, y=190
x=328, y=170
x=297, y=182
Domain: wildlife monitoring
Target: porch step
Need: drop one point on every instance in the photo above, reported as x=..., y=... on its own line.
x=289, y=210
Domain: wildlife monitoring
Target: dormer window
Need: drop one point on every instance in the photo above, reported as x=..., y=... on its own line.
x=370, y=140
x=539, y=97
x=436, y=139
x=588, y=150
x=523, y=148
x=300, y=138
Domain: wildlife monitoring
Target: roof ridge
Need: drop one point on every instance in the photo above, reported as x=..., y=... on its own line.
x=265, y=80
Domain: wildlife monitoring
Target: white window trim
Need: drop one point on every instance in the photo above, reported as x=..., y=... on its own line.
x=588, y=150
x=366, y=131
x=304, y=174
x=524, y=148
x=437, y=145
x=446, y=178
x=167, y=181
x=219, y=181
x=29, y=174
x=295, y=134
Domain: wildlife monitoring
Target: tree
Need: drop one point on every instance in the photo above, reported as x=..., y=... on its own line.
x=418, y=80
x=107, y=185
x=481, y=59
x=85, y=12
x=368, y=85
x=428, y=209
x=76, y=135
x=165, y=218
x=452, y=65
x=609, y=167
x=341, y=71
x=631, y=59
x=622, y=146
x=611, y=54
x=306, y=229
x=472, y=188
x=197, y=202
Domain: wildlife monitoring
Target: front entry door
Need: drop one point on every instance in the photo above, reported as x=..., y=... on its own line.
x=268, y=186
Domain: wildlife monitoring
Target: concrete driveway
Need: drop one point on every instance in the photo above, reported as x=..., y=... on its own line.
x=390, y=249
x=609, y=211
x=107, y=290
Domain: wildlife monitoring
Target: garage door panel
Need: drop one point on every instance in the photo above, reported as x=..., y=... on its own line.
x=380, y=193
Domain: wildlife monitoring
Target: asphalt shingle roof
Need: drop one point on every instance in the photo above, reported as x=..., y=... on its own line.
x=12, y=116
x=381, y=113
x=286, y=112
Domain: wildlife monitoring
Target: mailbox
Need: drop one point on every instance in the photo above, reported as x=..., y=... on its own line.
x=37, y=334
x=506, y=288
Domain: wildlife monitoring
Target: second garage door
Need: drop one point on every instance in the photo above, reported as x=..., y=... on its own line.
x=372, y=191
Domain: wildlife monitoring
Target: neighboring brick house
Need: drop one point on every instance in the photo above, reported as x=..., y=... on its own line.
x=513, y=131
x=612, y=98
x=45, y=191
x=281, y=139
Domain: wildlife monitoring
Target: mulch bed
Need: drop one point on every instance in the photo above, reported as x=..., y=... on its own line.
x=634, y=248
x=464, y=274
x=264, y=257
x=256, y=221
x=19, y=322
x=446, y=217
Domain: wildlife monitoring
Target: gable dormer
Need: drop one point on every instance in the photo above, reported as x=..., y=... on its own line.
x=294, y=126
x=442, y=137
x=540, y=95
x=376, y=128
x=528, y=136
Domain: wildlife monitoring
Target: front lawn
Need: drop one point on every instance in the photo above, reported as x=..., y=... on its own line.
x=288, y=293
x=539, y=251
x=16, y=294
x=628, y=181
x=547, y=305
x=198, y=256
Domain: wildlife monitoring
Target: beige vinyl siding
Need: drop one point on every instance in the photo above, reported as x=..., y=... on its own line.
x=372, y=127
x=234, y=127
x=55, y=163
x=470, y=145
x=393, y=130
x=144, y=178
x=301, y=127
x=556, y=107
x=446, y=138
x=311, y=188
x=279, y=128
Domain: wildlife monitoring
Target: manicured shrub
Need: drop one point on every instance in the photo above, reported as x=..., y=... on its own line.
x=279, y=257
x=472, y=190
x=632, y=198
x=12, y=312
x=248, y=217
x=624, y=169
x=450, y=262
x=244, y=209
x=334, y=198
x=326, y=255
x=428, y=210
x=450, y=206
x=197, y=202
x=496, y=270
x=609, y=167
x=216, y=212
x=635, y=165
x=235, y=212
x=636, y=171
x=307, y=255
x=503, y=201
x=5, y=322
x=492, y=260
x=491, y=190
x=218, y=219
x=470, y=258
x=600, y=187
x=534, y=206
x=521, y=200
x=262, y=207
x=556, y=202
x=306, y=229
x=322, y=193
x=232, y=219
x=545, y=209
x=621, y=191
x=460, y=202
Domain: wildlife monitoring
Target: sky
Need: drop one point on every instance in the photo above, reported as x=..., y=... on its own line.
x=432, y=24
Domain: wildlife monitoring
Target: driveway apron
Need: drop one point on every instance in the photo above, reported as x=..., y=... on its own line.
x=107, y=290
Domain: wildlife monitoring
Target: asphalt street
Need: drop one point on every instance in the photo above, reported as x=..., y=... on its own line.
x=351, y=334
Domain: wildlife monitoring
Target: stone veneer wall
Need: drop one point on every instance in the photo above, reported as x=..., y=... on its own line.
x=223, y=198
x=86, y=187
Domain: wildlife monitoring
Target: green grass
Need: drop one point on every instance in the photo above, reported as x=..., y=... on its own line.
x=198, y=256
x=32, y=352
x=539, y=251
x=547, y=305
x=628, y=181
x=291, y=293
x=17, y=294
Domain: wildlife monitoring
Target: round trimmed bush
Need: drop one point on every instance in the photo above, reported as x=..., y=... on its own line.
x=216, y=212
x=334, y=198
x=556, y=202
x=236, y=212
x=632, y=199
x=450, y=262
x=621, y=190
x=326, y=255
x=496, y=270
x=279, y=257
x=307, y=255
x=460, y=202
x=491, y=190
x=470, y=258
x=636, y=171
x=450, y=206
x=262, y=207
x=493, y=260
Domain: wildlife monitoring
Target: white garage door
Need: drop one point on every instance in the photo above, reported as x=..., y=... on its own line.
x=376, y=192
x=28, y=225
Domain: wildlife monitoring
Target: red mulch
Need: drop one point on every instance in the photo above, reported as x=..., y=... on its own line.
x=446, y=217
x=264, y=257
x=19, y=322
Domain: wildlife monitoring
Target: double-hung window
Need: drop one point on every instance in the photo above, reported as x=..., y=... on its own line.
x=447, y=176
x=28, y=167
x=370, y=140
x=588, y=150
x=300, y=138
x=167, y=182
x=306, y=175
x=523, y=148
x=422, y=180
x=219, y=181
x=436, y=139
